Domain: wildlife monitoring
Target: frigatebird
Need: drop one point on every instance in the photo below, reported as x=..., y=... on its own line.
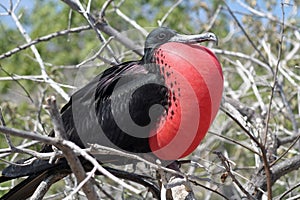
x=159, y=107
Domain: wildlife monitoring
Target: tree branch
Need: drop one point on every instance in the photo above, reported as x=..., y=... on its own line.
x=43, y=39
x=103, y=26
x=73, y=161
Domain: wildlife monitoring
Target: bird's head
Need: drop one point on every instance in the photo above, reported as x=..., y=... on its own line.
x=164, y=35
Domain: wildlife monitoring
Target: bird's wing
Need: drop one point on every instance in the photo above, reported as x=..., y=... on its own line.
x=101, y=111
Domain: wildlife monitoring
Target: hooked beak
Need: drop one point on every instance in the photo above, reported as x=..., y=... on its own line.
x=191, y=39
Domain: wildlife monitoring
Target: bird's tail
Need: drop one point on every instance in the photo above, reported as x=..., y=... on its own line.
x=37, y=171
x=25, y=189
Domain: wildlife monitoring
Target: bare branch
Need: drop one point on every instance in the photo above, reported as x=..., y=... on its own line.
x=97, y=54
x=71, y=157
x=244, y=56
x=163, y=19
x=214, y=18
x=234, y=142
x=7, y=137
x=46, y=184
x=43, y=39
x=23, y=88
x=228, y=169
x=288, y=191
x=130, y=21
x=103, y=26
x=104, y=8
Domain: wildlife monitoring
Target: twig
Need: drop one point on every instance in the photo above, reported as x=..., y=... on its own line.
x=213, y=18
x=7, y=151
x=244, y=56
x=246, y=126
x=163, y=19
x=59, y=129
x=288, y=107
x=39, y=125
x=130, y=21
x=36, y=155
x=28, y=135
x=266, y=163
x=46, y=184
x=235, y=142
x=7, y=137
x=208, y=188
x=18, y=82
x=43, y=39
x=286, y=151
x=109, y=30
x=80, y=185
x=96, y=54
x=285, y=167
x=228, y=169
x=35, y=78
x=253, y=85
x=12, y=148
x=288, y=191
x=104, y=8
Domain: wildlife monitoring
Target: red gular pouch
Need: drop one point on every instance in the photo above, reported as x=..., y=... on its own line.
x=194, y=78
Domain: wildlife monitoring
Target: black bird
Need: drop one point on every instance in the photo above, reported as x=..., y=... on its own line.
x=124, y=107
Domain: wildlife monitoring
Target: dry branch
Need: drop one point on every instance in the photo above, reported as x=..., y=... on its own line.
x=73, y=161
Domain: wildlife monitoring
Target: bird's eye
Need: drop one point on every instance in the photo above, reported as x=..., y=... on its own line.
x=161, y=36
